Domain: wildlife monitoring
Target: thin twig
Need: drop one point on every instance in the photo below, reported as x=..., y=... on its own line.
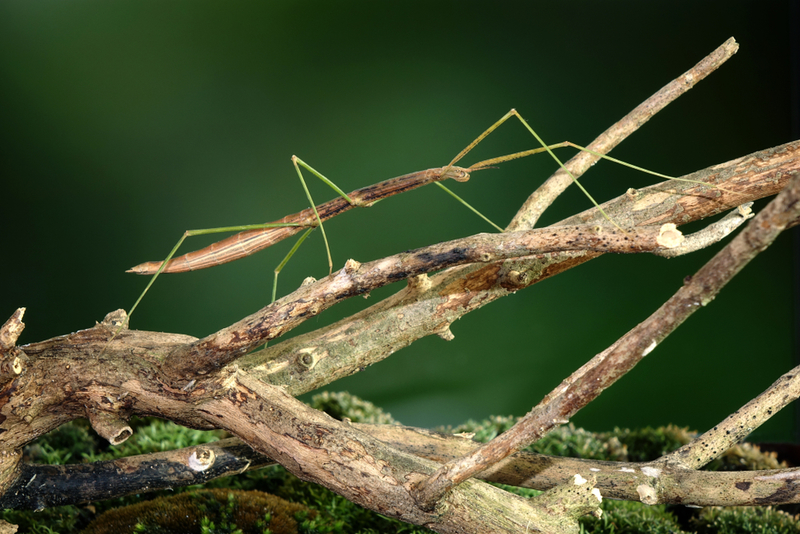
x=713, y=233
x=534, y=206
x=739, y=424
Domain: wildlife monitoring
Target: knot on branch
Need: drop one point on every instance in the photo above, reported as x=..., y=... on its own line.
x=117, y=319
x=669, y=236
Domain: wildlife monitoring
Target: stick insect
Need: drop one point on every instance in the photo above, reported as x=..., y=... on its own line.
x=253, y=238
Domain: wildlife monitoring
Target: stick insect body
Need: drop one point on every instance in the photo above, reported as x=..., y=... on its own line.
x=253, y=238
x=263, y=236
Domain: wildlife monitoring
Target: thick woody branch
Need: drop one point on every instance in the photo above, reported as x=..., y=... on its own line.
x=593, y=378
x=43, y=486
x=217, y=350
x=121, y=374
x=730, y=184
x=615, y=480
x=751, y=177
x=318, y=448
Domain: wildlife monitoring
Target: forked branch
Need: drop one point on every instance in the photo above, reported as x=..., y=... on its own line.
x=600, y=372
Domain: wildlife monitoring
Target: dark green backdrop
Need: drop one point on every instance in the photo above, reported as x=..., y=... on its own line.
x=124, y=123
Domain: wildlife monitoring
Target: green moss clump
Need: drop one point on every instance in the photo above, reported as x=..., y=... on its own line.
x=623, y=517
x=744, y=520
x=647, y=444
x=344, y=405
x=204, y=512
x=746, y=457
x=565, y=441
x=66, y=444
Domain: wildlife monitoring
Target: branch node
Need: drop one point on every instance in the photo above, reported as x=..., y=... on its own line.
x=307, y=358
x=669, y=236
x=117, y=319
x=647, y=494
x=12, y=359
x=10, y=331
x=513, y=280
x=109, y=425
x=201, y=459
x=445, y=333
x=351, y=266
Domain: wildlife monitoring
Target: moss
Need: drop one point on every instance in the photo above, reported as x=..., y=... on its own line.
x=746, y=457
x=646, y=444
x=62, y=519
x=622, y=517
x=66, y=444
x=344, y=405
x=203, y=511
x=741, y=520
x=565, y=441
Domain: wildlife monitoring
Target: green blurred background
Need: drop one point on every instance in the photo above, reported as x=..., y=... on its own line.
x=125, y=123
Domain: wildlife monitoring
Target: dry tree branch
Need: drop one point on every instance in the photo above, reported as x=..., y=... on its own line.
x=200, y=383
x=585, y=384
x=205, y=355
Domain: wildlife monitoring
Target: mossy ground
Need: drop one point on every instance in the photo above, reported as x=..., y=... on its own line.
x=271, y=500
